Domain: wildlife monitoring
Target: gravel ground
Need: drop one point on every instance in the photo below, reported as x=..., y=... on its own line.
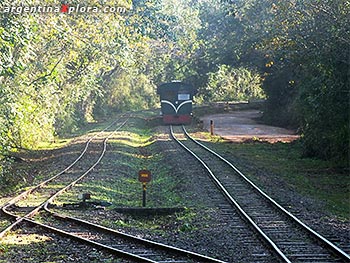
x=242, y=125
x=309, y=210
x=202, y=228
x=238, y=126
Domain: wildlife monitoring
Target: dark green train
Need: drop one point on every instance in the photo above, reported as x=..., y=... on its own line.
x=176, y=102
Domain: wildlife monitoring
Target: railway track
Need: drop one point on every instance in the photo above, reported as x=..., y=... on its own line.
x=289, y=238
x=61, y=177
x=115, y=242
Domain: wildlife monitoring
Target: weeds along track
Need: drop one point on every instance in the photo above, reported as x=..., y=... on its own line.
x=123, y=245
x=283, y=233
x=41, y=193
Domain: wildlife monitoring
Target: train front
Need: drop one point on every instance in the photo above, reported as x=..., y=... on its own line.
x=176, y=102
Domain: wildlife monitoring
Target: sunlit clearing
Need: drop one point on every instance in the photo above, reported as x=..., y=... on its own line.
x=132, y=139
x=163, y=137
x=132, y=143
x=134, y=155
x=22, y=239
x=53, y=144
x=205, y=136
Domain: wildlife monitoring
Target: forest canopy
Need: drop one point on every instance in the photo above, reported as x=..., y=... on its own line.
x=59, y=70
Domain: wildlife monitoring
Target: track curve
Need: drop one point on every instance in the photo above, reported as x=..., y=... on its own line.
x=291, y=239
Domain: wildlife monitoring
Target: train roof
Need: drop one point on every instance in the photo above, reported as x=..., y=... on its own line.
x=175, y=85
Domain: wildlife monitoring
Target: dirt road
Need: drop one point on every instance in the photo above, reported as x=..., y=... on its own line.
x=241, y=126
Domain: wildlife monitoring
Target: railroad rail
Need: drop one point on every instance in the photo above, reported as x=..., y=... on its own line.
x=284, y=233
x=18, y=219
x=116, y=242
x=121, y=244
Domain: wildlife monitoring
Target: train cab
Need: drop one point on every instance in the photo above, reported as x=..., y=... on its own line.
x=176, y=102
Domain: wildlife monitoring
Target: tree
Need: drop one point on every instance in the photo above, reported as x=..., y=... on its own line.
x=238, y=84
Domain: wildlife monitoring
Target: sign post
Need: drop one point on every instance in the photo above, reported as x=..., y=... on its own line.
x=144, y=177
x=144, y=188
x=211, y=127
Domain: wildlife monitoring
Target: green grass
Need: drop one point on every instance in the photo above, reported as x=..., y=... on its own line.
x=14, y=175
x=185, y=222
x=3, y=223
x=135, y=149
x=314, y=178
x=60, y=142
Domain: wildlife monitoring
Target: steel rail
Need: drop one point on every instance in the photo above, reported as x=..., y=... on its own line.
x=26, y=193
x=45, y=205
x=143, y=241
x=29, y=191
x=316, y=235
x=233, y=201
x=90, y=242
x=61, y=232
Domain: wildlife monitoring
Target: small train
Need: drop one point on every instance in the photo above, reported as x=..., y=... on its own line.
x=176, y=102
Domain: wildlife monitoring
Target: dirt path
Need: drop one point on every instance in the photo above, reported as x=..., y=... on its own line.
x=241, y=126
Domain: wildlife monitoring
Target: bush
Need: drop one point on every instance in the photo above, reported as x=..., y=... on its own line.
x=233, y=84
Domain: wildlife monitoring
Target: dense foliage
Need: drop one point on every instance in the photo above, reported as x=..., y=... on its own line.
x=228, y=83
x=301, y=50
x=60, y=70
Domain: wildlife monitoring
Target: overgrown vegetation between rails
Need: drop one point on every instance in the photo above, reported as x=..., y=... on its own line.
x=114, y=183
x=135, y=147
x=25, y=169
